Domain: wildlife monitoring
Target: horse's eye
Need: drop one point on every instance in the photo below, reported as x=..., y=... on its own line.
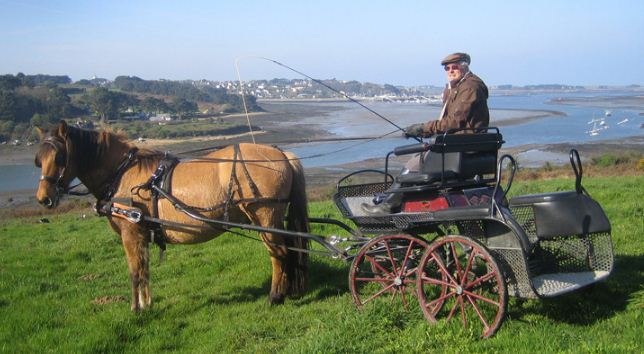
x=37, y=162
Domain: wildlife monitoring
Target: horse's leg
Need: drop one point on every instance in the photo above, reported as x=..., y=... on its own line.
x=279, y=280
x=271, y=216
x=138, y=261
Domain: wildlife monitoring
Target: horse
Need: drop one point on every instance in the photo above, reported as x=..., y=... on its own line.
x=244, y=183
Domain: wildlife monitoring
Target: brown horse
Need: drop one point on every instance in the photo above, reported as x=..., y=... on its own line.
x=250, y=183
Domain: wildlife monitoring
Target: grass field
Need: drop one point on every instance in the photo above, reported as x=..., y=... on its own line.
x=64, y=287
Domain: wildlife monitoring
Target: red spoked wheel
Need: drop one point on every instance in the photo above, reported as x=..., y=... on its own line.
x=458, y=278
x=385, y=270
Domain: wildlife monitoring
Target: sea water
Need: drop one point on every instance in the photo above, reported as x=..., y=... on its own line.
x=355, y=121
x=572, y=127
x=17, y=177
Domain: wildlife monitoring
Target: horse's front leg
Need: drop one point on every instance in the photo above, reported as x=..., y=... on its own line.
x=136, y=247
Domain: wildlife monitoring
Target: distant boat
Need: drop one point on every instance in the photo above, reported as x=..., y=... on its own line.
x=623, y=121
x=608, y=113
x=598, y=126
x=595, y=130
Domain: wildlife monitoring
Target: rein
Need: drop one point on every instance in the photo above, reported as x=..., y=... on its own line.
x=365, y=140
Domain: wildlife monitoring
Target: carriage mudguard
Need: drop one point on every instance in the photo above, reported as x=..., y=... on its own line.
x=564, y=213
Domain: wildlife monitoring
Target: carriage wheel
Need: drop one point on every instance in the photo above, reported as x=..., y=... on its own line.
x=460, y=279
x=385, y=270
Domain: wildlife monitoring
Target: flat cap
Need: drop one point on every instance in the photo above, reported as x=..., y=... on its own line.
x=456, y=58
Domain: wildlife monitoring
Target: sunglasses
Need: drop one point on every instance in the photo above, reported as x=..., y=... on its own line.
x=452, y=67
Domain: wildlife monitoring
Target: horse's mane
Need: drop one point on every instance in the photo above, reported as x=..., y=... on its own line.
x=92, y=146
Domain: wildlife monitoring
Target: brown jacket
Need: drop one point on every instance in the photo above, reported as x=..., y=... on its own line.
x=466, y=107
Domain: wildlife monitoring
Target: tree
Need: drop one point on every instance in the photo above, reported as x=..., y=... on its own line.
x=130, y=101
x=9, y=82
x=7, y=106
x=58, y=103
x=106, y=103
x=6, y=128
x=183, y=107
x=154, y=105
x=41, y=120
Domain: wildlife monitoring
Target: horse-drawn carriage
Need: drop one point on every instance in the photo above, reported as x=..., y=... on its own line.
x=461, y=247
x=458, y=245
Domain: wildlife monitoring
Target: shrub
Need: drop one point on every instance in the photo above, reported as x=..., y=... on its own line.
x=608, y=160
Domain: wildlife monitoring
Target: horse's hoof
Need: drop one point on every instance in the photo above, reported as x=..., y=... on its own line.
x=276, y=299
x=135, y=308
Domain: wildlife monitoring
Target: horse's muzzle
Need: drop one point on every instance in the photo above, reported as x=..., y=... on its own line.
x=47, y=202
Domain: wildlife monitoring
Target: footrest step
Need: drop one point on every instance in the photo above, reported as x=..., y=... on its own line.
x=550, y=285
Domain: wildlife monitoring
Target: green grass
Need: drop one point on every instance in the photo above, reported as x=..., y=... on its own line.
x=64, y=287
x=183, y=129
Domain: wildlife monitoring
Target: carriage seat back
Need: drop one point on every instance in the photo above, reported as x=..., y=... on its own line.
x=457, y=157
x=460, y=165
x=562, y=214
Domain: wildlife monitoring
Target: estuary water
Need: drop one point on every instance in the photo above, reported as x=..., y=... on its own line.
x=16, y=177
x=511, y=113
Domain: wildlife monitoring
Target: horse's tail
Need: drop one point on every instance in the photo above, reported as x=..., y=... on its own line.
x=297, y=220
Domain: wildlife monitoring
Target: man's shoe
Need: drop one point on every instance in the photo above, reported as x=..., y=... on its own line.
x=383, y=208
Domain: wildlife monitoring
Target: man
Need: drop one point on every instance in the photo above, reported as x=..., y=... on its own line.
x=464, y=106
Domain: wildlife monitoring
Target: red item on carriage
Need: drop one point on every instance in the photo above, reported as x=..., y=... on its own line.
x=424, y=203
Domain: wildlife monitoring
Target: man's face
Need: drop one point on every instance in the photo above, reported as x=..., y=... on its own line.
x=454, y=72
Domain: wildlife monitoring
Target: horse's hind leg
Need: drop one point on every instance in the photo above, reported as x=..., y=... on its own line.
x=272, y=217
x=138, y=262
x=279, y=280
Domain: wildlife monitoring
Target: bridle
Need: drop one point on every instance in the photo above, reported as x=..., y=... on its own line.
x=58, y=181
x=62, y=187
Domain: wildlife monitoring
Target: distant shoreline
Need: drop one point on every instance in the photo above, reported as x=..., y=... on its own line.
x=612, y=102
x=276, y=125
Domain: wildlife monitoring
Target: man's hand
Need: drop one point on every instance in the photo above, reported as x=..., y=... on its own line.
x=414, y=130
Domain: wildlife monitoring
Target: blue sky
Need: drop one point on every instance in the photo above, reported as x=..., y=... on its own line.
x=578, y=42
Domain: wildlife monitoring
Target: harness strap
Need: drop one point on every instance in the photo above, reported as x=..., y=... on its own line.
x=251, y=183
x=211, y=226
x=233, y=176
x=239, y=201
x=123, y=166
x=159, y=178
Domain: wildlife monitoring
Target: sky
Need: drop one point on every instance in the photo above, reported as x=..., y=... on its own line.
x=574, y=42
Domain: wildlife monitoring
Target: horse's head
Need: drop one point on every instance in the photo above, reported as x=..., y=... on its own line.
x=53, y=159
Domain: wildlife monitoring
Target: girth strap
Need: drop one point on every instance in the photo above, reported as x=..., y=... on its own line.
x=233, y=176
x=160, y=179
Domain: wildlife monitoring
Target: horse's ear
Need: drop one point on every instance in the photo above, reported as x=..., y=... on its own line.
x=41, y=133
x=62, y=129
